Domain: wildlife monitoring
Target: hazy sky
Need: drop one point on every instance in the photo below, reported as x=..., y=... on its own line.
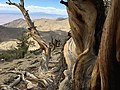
x=46, y=6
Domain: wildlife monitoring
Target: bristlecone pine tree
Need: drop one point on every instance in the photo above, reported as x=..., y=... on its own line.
x=33, y=32
x=92, y=54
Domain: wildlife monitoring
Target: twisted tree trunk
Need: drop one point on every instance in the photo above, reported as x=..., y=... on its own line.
x=91, y=66
x=108, y=62
x=34, y=33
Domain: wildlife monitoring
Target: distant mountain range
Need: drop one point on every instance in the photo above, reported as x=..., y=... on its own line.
x=56, y=28
x=8, y=17
x=46, y=27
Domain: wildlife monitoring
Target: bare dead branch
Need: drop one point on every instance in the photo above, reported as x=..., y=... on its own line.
x=11, y=3
x=34, y=33
x=30, y=85
x=12, y=85
x=63, y=2
x=5, y=87
x=22, y=3
x=32, y=28
x=32, y=76
x=16, y=81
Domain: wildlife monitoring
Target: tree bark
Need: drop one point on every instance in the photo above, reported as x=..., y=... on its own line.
x=82, y=18
x=33, y=32
x=108, y=63
x=86, y=19
x=92, y=53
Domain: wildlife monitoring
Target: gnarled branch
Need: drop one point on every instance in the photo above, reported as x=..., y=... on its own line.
x=63, y=2
x=32, y=28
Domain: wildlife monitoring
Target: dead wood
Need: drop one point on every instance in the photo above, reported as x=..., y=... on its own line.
x=33, y=31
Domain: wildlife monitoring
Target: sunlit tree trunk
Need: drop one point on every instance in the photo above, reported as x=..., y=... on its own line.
x=34, y=33
x=92, y=54
x=90, y=66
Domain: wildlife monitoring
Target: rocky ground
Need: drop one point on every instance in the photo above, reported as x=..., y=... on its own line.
x=9, y=32
x=31, y=64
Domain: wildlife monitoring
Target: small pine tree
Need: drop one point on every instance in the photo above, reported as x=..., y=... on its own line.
x=23, y=45
x=21, y=49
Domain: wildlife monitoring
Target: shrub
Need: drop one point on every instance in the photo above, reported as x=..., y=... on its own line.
x=18, y=52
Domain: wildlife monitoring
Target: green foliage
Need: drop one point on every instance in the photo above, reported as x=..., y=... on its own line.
x=8, y=55
x=37, y=51
x=22, y=46
x=18, y=52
